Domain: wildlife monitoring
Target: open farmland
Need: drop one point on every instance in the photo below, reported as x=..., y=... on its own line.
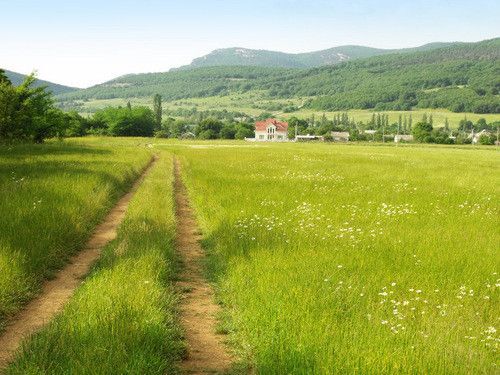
x=353, y=259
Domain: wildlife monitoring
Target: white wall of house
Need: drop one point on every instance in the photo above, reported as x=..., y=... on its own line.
x=271, y=134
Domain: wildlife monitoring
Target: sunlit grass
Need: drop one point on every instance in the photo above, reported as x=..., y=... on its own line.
x=122, y=319
x=51, y=198
x=353, y=259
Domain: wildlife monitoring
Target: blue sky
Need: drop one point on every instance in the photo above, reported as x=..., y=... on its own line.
x=82, y=43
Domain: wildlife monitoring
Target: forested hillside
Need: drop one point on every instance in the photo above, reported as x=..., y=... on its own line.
x=200, y=82
x=18, y=78
x=460, y=77
x=463, y=77
x=252, y=57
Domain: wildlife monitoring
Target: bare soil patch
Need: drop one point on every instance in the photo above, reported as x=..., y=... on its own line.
x=207, y=353
x=56, y=292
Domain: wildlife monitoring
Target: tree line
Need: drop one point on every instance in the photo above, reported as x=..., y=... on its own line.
x=28, y=113
x=380, y=129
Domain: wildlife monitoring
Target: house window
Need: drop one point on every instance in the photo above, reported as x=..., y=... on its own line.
x=280, y=137
x=261, y=136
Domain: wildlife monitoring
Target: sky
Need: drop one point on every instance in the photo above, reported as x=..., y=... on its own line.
x=82, y=43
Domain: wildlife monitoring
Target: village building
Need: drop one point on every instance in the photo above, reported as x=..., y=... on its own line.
x=271, y=130
x=475, y=136
x=340, y=136
x=403, y=138
x=308, y=137
x=188, y=135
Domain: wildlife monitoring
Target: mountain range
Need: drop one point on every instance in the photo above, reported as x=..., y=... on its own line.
x=252, y=57
x=463, y=77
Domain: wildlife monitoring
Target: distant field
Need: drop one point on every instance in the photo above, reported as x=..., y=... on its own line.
x=353, y=259
x=253, y=104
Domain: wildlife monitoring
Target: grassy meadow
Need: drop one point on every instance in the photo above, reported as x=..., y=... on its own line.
x=52, y=196
x=122, y=319
x=352, y=259
x=326, y=258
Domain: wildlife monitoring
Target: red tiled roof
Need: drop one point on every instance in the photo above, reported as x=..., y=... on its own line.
x=280, y=126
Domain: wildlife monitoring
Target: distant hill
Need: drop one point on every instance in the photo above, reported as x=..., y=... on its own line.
x=250, y=57
x=458, y=76
x=18, y=78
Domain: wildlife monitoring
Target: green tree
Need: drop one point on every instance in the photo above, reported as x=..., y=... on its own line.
x=296, y=123
x=228, y=131
x=486, y=139
x=157, y=108
x=422, y=132
x=324, y=120
x=3, y=78
x=481, y=124
x=209, y=129
x=26, y=112
x=137, y=122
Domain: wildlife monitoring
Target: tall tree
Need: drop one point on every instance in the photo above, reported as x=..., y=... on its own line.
x=4, y=79
x=157, y=111
x=424, y=118
x=323, y=120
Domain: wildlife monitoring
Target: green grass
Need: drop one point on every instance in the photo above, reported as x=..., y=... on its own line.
x=353, y=259
x=122, y=319
x=51, y=197
x=326, y=258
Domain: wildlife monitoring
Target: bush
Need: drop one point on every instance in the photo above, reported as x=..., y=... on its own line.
x=487, y=140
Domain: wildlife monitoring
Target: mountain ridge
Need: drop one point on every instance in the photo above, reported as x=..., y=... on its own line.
x=463, y=77
x=55, y=88
x=240, y=56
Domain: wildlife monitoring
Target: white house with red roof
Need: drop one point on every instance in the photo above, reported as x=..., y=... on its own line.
x=271, y=130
